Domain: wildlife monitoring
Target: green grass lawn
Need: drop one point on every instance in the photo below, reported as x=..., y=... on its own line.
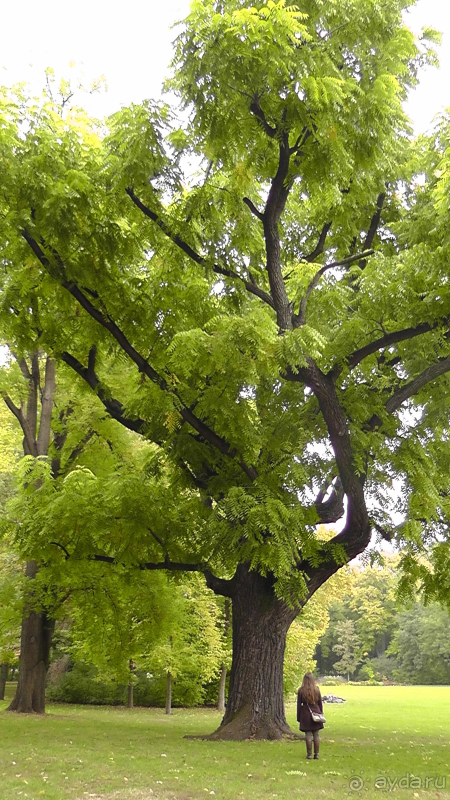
x=382, y=734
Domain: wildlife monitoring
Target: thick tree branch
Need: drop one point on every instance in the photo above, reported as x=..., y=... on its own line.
x=409, y=389
x=373, y=227
x=171, y=566
x=389, y=339
x=218, y=585
x=59, y=440
x=302, y=138
x=253, y=208
x=355, y=536
x=174, y=237
x=318, y=250
x=114, y=407
x=251, y=286
x=20, y=416
x=257, y=111
x=160, y=542
x=61, y=547
x=45, y=422
x=80, y=447
x=336, y=422
x=388, y=536
x=24, y=368
x=275, y=204
x=32, y=399
x=226, y=588
x=105, y=321
x=331, y=510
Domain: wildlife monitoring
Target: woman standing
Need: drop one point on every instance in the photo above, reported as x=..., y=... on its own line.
x=309, y=699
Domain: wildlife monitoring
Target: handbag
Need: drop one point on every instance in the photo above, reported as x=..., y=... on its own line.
x=316, y=715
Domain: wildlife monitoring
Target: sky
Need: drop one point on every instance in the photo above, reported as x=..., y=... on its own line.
x=130, y=43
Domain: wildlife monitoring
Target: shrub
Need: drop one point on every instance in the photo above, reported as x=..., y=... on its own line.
x=331, y=680
x=79, y=685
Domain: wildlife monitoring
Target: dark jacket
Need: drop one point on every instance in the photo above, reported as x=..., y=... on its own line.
x=304, y=715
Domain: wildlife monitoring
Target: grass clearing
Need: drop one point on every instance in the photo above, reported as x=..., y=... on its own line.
x=381, y=737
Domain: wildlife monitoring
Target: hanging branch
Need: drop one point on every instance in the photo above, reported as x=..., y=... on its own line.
x=250, y=286
x=300, y=319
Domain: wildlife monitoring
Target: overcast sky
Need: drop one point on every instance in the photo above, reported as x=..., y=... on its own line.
x=130, y=43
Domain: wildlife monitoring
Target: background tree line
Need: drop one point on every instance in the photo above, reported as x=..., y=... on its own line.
x=373, y=634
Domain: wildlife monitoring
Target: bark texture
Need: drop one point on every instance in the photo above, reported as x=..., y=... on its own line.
x=35, y=643
x=130, y=700
x=169, y=693
x=222, y=681
x=223, y=670
x=3, y=679
x=255, y=707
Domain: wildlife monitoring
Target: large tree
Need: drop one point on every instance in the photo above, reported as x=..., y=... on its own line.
x=238, y=317
x=61, y=431
x=34, y=414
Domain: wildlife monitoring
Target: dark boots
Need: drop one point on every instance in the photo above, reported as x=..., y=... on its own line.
x=316, y=746
x=309, y=743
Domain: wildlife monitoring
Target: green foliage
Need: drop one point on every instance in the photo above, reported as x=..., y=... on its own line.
x=79, y=685
x=421, y=645
x=145, y=621
x=348, y=647
x=383, y=668
x=308, y=629
x=370, y=603
x=10, y=451
x=10, y=605
x=117, y=618
x=195, y=648
x=369, y=625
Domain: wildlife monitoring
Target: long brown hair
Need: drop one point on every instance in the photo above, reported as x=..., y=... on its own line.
x=309, y=689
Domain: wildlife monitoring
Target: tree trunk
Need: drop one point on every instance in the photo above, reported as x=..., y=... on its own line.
x=223, y=671
x=37, y=627
x=169, y=693
x=255, y=707
x=131, y=667
x=222, y=681
x=130, y=702
x=3, y=679
x=35, y=643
